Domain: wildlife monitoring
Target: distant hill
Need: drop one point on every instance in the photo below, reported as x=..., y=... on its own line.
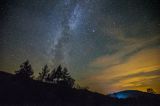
x=15, y=91
x=132, y=94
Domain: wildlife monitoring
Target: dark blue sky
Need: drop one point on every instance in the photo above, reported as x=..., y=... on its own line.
x=93, y=38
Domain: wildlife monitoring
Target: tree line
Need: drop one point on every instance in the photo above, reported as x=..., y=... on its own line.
x=59, y=76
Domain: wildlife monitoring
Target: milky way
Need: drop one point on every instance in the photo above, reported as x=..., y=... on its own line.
x=105, y=44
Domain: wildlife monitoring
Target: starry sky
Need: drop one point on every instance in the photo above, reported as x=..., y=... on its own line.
x=107, y=45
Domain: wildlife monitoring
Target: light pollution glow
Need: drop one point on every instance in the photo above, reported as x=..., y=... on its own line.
x=139, y=72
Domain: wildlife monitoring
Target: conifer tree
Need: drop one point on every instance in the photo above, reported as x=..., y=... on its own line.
x=42, y=76
x=25, y=71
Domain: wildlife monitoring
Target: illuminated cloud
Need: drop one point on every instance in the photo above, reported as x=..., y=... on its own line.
x=139, y=71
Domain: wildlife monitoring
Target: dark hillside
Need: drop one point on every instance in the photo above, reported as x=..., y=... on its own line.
x=32, y=92
x=18, y=91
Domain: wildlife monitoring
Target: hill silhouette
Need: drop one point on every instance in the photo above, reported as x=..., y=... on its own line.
x=133, y=94
x=15, y=91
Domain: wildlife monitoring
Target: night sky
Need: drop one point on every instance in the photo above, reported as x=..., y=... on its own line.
x=107, y=45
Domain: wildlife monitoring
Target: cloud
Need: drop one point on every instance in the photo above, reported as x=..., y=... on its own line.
x=136, y=54
x=135, y=62
x=131, y=47
x=139, y=71
x=120, y=40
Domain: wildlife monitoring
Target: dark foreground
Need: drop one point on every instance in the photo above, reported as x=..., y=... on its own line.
x=15, y=91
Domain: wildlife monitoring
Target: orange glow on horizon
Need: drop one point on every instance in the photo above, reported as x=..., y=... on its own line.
x=139, y=72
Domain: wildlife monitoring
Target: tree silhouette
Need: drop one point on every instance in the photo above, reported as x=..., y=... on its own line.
x=65, y=74
x=58, y=74
x=150, y=90
x=25, y=71
x=43, y=75
x=67, y=78
x=51, y=76
x=48, y=78
x=60, y=77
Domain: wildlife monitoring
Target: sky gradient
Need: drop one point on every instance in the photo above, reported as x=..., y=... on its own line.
x=107, y=45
